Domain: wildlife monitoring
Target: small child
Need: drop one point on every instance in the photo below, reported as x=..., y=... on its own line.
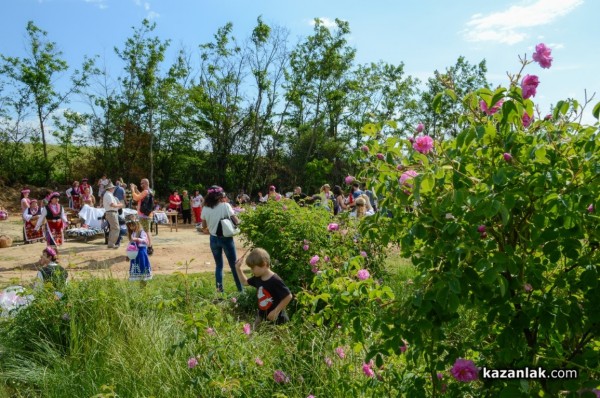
x=272, y=293
x=51, y=271
x=139, y=268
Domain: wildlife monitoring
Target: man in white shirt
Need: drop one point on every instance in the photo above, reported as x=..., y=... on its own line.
x=111, y=208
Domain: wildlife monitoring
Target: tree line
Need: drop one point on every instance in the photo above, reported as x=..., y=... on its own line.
x=246, y=114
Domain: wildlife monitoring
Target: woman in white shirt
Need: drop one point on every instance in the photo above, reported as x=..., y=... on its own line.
x=216, y=208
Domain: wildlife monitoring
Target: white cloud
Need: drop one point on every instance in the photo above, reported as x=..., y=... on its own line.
x=101, y=4
x=510, y=26
x=146, y=5
x=327, y=22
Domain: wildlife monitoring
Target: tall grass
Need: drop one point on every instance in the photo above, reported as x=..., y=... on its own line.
x=108, y=338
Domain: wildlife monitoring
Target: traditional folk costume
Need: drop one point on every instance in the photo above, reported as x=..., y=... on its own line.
x=30, y=218
x=56, y=221
x=139, y=267
x=25, y=201
x=74, y=194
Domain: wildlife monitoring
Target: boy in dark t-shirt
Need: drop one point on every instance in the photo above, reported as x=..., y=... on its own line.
x=272, y=293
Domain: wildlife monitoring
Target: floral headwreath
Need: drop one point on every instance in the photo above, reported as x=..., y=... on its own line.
x=50, y=251
x=215, y=190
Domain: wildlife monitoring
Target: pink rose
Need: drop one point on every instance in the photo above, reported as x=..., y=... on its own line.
x=542, y=56
x=366, y=368
x=192, y=363
x=258, y=361
x=333, y=227
x=464, y=370
x=340, y=352
x=526, y=120
x=507, y=156
x=363, y=254
x=210, y=331
x=314, y=260
x=247, y=329
x=363, y=274
x=326, y=259
x=590, y=208
x=380, y=156
x=492, y=110
x=349, y=180
x=407, y=175
x=280, y=377
x=420, y=128
x=529, y=85
x=328, y=362
x=400, y=167
x=364, y=148
x=423, y=144
x=305, y=247
x=481, y=229
x=528, y=288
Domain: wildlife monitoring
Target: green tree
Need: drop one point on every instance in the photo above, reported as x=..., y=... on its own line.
x=36, y=77
x=317, y=89
x=442, y=118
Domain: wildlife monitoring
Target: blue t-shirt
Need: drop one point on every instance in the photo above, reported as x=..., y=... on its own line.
x=357, y=193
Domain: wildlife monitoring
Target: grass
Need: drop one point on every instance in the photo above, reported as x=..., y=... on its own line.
x=114, y=338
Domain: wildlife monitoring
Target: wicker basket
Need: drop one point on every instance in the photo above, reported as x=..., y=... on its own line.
x=5, y=241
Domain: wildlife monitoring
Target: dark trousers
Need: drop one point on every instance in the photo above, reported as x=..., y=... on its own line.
x=187, y=216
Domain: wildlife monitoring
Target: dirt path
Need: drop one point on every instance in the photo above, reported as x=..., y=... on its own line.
x=171, y=251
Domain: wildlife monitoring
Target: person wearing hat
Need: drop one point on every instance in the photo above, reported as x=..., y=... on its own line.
x=111, y=208
x=273, y=195
x=30, y=217
x=56, y=220
x=25, y=199
x=84, y=185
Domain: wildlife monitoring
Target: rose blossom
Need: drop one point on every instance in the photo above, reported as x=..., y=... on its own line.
x=280, y=377
x=464, y=370
x=349, y=180
x=192, y=363
x=314, y=260
x=364, y=148
x=258, y=361
x=340, y=352
x=529, y=85
x=366, y=368
x=407, y=175
x=234, y=300
x=247, y=329
x=526, y=120
x=328, y=362
x=420, y=128
x=590, y=208
x=333, y=226
x=492, y=110
x=305, y=247
x=326, y=259
x=423, y=144
x=542, y=56
x=363, y=274
x=210, y=331
x=528, y=288
x=363, y=254
x=481, y=229
x=380, y=156
x=507, y=156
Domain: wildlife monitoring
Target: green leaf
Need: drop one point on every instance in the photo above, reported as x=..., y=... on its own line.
x=437, y=103
x=450, y=93
x=596, y=111
x=427, y=183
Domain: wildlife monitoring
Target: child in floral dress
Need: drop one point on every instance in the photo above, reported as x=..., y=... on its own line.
x=139, y=268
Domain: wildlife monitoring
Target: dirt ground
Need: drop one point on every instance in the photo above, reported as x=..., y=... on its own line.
x=172, y=249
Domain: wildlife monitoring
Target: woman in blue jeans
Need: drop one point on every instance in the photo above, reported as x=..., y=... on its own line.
x=216, y=207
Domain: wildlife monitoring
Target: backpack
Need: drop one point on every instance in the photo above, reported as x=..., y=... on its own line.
x=147, y=204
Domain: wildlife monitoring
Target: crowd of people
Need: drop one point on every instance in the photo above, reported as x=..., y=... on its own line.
x=46, y=220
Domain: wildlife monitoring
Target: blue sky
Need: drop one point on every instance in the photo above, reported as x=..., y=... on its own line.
x=424, y=35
